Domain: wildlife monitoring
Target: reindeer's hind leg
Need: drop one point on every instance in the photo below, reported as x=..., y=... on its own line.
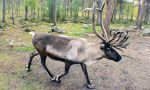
x=84, y=69
x=32, y=55
x=67, y=67
x=43, y=62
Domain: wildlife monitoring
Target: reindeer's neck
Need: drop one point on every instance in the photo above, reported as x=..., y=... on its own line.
x=94, y=53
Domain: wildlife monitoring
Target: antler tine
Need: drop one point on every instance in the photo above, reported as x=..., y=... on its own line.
x=114, y=37
x=122, y=46
x=93, y=26
x=117, y=37
x=90, y=9
x=122, y=41
x=125, y=38
x=93, y=21
x=87, y=9
x=103, y=29
x=101, y=9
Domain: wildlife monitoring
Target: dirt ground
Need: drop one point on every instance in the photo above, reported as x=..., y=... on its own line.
x=132, y=73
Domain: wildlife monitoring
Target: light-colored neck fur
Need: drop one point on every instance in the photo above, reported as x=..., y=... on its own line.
x=94, y=53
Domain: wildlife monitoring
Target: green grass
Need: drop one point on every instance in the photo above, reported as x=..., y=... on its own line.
x=147, y=26
x=24, y=49
x=30, y=86
x=77, y=30
x=4, y=82
x=5, y=57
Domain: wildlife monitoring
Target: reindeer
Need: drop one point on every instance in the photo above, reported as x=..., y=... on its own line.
x=71, y=50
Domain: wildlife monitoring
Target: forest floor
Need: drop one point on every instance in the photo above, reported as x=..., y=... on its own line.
x=132, y=73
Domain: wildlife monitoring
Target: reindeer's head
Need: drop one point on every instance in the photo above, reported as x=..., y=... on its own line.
x=110, y=52
x=117, y=41
x=109, y=42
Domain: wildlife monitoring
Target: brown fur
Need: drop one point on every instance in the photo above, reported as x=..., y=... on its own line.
x=69, y=48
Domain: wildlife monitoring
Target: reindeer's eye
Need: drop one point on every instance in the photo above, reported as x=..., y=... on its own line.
x=102, y=47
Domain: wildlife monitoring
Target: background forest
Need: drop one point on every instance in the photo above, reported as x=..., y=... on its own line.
x=61, y=11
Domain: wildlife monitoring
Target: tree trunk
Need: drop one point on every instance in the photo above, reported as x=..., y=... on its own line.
x=26, y=11
x=70, y=8
x=121, y=9
x=109, y=13
x=13, y=19
x=65, y=7
x=54, y=13
x=147, y=11
x=99, y=16
x=115, y=10
x=19, y=3
x=4, y=11
x=49, y=10
x=140, y=14
x=132, y=12
x=128, y=12
x=83, y=8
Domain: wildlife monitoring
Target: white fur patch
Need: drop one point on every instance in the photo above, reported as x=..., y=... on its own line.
x=64, y=36
x=32, y=33
x=73, y=52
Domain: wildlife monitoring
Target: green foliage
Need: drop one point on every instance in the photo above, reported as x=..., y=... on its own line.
x=32, y=3
x=41, y=10
x=75, y=10
x=147, y=26
x=49, y=5
x=2, y=25
x=61, y=13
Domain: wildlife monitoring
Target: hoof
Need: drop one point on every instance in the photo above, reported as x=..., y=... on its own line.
x=58, y=80
x=53, y=79
x=90, y=86
x=28, y=70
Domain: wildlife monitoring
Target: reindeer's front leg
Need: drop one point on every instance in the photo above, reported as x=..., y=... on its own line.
x=67, y=67
x=84, y=69
x=32, y=55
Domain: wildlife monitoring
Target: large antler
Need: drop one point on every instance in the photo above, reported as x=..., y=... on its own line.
x=93, y=9
x=93, y=23
x=118, y=38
